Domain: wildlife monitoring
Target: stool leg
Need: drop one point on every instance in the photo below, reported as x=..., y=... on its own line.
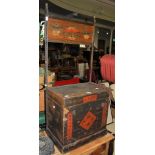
x=107, y=149
x=111, y=148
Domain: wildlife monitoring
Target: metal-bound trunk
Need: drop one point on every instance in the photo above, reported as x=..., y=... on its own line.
x=76, y=114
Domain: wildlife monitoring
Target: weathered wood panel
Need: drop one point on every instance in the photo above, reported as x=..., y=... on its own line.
x=76, y=114
x=65, y=31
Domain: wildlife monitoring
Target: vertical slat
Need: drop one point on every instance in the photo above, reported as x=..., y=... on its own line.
x=46, y=45
x=46, y=58
x=110, y=44
x=92, y=53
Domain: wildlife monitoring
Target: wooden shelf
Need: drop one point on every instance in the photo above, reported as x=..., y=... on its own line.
x=96, y=147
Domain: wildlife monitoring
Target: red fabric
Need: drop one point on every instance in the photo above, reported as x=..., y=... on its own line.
x=108, y=68
x=66, y=82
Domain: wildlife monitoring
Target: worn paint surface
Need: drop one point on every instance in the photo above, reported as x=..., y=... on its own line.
x=66, y=31
x=72, y=122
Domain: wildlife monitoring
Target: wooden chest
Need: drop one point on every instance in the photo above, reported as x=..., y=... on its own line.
x=76, y=114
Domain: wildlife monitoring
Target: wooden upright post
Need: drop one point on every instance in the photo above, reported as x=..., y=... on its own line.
x=92, y=53
x=46, y=56
x=110, y=44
